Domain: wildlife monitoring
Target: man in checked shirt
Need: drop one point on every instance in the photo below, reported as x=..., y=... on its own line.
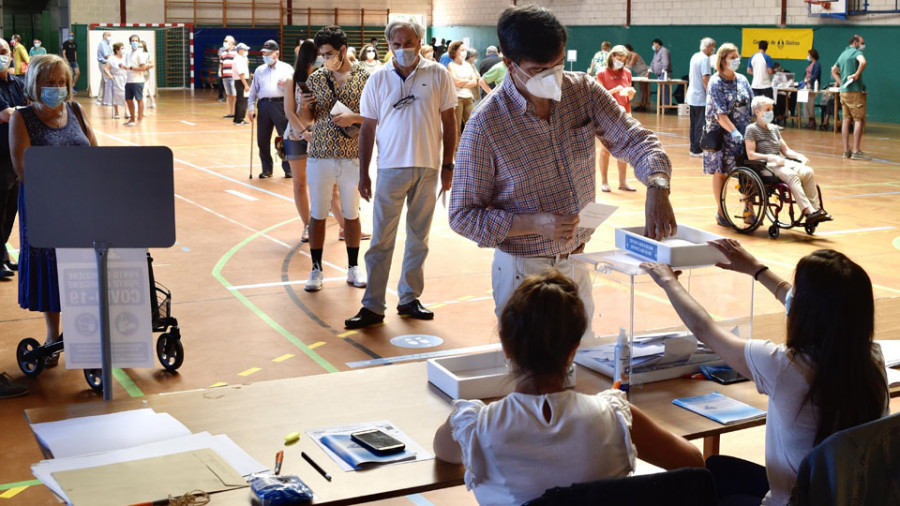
x=526, y=160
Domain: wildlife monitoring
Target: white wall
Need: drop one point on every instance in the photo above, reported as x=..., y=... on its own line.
x=654, y=12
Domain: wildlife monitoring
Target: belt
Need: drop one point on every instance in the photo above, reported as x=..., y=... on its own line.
x=564, y=256
x=272, y=99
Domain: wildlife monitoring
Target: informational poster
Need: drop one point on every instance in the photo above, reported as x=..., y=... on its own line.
x=784, y=43
x=130, y=320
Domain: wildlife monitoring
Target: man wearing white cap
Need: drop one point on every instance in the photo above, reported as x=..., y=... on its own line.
x=241, y=73
x=268, y=90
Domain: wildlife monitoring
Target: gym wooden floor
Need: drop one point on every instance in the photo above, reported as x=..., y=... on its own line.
x=238, y=268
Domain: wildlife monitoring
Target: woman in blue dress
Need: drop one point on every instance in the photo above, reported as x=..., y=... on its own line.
x=52, y=119
x=728, y=100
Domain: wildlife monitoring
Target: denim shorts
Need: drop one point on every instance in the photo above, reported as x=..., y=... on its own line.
x=294, y=150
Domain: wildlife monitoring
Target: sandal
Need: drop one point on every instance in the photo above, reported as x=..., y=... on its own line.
x=605, y=188
x=305, y=236
x=626, y=188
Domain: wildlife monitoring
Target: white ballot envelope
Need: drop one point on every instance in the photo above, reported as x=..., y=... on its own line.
x=340, y=108
x=803, y=96
x=594, y=214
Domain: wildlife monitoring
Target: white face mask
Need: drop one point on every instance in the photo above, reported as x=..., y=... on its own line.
x=618, y=64
x=769, y=117
x=268, y=59
x=545, y=84
x=734, y=64
x=808, y=58
x=4, y=62
x=788, y=298
x=406, y=57
x=862, y=47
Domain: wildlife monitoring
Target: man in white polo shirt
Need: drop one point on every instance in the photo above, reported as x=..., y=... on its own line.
x=408, y=108
x=136, y=63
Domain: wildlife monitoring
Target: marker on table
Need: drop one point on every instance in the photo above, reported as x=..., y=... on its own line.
x=315, y=466
x=279, y=458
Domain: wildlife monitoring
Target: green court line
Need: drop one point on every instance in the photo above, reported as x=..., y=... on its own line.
x=217, y=273
x=29, y=483
x=126, y=382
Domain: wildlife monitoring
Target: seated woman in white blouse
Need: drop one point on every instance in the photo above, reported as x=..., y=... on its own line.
x=543, y=435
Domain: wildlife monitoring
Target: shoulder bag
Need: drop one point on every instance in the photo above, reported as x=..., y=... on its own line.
x=352, y=131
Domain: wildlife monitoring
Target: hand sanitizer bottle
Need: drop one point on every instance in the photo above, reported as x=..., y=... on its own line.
x=623, y=361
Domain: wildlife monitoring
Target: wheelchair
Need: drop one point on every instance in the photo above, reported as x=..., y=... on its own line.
x=752, y=193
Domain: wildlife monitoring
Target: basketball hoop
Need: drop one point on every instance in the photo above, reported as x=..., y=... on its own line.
x=825, y=5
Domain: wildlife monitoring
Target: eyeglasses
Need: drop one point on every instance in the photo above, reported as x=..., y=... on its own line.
x=403, y=102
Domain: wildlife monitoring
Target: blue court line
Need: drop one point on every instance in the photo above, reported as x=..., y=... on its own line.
x=418, y=500
x=422, y=356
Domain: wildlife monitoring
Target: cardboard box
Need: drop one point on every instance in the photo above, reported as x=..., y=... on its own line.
x=687, y=249
x=476, y=376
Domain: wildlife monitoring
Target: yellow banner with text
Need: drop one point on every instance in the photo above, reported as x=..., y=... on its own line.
x=786, y=43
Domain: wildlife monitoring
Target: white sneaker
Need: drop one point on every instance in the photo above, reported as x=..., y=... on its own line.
x=314, y=283
x=356, y=277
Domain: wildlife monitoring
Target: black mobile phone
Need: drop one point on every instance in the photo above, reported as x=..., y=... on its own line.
x=378, y=442
x=303, y=87
x=727, y=376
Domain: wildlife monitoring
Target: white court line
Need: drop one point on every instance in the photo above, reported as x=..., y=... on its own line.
x=241, y=195
x=865, y=195
x=188, y=123
x=280, y=283
x=854, y=231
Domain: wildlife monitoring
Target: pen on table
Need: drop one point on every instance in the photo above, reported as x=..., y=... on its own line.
x=315, y=466
x=279, y=458
x=695, y=376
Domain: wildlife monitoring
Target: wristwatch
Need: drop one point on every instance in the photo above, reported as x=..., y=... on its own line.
x=659, y=183
x=448, y=166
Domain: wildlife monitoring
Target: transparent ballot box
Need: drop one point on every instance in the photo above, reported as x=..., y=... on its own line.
x=626, y=297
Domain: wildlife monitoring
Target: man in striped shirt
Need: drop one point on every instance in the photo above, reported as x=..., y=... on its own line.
x=526, y=160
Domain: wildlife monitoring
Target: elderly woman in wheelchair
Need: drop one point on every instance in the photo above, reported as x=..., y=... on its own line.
x=763, y=142
x=768, y=181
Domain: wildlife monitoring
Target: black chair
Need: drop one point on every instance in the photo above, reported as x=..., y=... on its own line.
x=858, y=466
x=682, y=487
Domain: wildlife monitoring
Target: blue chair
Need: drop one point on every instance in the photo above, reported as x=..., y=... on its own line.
x=859, y=466
x=681, y=487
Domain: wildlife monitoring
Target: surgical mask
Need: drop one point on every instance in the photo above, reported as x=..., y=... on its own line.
x=808, y=58
x=268, y=59
x=319, y=62
x=335, y=63
x=788, y=298
x=53, y=96
x=406, y=57
x=653, y=48
x=769, y=116
x=37, y=44
x=734, y=64
x=545, y=84
x=618, y=64
x=134, y=45
x=4, y=62
x=862, y=47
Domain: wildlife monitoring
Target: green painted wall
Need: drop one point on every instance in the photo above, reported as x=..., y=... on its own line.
x=882, y=75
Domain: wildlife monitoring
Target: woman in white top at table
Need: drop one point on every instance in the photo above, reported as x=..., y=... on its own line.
x=827, y=377
x=543, y=435
x=465, y=77
x=114, y=94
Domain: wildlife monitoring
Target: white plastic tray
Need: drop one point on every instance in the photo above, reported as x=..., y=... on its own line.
x=476, y=376
x=687, y=249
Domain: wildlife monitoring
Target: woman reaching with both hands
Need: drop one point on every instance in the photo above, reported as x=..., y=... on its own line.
x=827, y=377
x=543, y=435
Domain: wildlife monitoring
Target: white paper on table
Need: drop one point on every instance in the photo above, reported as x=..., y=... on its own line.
x=594, y=214
x=340, y=108
x=803, y=96
x=890, y=349
x=92, y=434
x=383, y=425
x=130, y=319
x=240, y=460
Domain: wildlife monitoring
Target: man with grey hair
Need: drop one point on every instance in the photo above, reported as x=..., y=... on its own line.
x=698, y=82
x=104, y=51
x=491, y=58
x=409, y=109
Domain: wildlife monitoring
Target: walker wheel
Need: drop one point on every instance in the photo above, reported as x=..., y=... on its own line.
x=34, y=365
x=94, y=379
x=774, y=231
x=170, y=351
x=810, y=228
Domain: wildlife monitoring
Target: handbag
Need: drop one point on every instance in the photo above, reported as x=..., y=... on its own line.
x=352, y=131
x=712, y=141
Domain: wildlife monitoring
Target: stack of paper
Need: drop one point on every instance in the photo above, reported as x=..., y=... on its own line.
x=110, y=459
x=336, y=442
